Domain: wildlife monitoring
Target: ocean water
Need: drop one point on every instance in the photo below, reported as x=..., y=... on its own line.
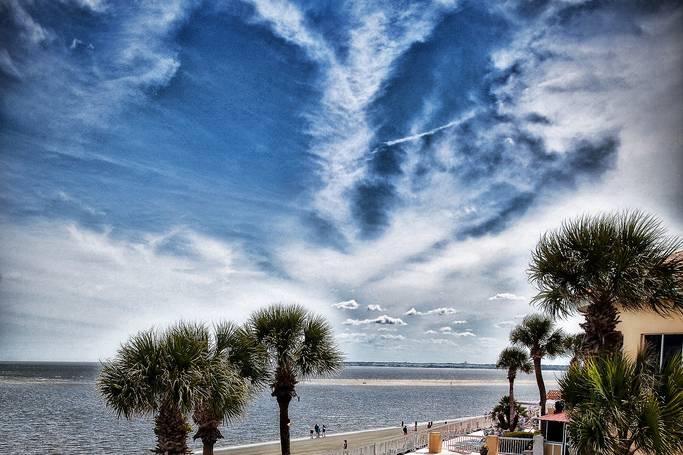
x=55, y=408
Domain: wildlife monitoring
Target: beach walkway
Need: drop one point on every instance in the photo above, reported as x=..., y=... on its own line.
x=355, y=439
x=317, y=446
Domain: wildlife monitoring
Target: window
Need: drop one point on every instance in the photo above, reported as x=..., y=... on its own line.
x=662, y=347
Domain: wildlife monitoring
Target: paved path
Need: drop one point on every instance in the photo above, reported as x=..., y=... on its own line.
x=318, y=446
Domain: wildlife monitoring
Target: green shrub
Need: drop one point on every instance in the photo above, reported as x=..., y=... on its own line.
x=520, y=434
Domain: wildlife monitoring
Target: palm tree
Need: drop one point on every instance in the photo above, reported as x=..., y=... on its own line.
x=166, y=374
x=538, y=334
x=299, y=344
x=513, y=359
x=234, y=349
x=619, y=406
x=573, y=345
x=501, y=414
x=600, y=265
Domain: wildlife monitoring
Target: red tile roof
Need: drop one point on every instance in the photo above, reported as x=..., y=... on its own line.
x=554, y=395
x=559, y=417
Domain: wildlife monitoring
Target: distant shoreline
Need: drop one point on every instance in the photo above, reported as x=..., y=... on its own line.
x=418, y=382
x=463, y=365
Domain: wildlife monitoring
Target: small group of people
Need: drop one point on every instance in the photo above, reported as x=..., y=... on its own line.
x=405, y=427
x=318, y=430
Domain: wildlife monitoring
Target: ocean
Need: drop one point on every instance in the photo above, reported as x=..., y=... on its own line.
x=54, y=408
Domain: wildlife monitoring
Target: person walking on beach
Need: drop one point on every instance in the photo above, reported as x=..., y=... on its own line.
x=317, y=431
x=405, y=430
x=416, y=425
x=324, y=429
x=311, y=433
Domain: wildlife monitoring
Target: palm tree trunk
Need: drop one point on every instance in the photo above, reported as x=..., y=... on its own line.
x=600, y=327
x=170, y=429
x=208, y=430
x=283, y=403
x=541, y=384
x=512, y=403
x=207, y=447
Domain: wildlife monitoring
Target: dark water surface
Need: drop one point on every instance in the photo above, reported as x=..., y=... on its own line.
x=55, y=409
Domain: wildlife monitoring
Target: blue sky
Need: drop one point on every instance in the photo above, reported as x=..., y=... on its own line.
x=389, y=164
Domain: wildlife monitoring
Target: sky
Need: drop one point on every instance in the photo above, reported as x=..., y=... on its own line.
x=387, y=164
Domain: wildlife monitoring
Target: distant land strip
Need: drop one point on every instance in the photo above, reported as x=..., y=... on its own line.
x=418, y=382
x=479, y=366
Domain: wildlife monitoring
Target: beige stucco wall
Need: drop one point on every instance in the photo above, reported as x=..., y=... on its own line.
x=635, y=324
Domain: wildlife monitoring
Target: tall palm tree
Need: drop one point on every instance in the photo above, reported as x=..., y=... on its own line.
x=513, y=359
x=538, y=334
x=573, y=345
x=299, y=344
x=165, y=373
x=234, y=349
x=620, y=406
x=600, y=265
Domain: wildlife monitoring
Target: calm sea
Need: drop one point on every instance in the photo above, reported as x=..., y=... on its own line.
x=55, y=409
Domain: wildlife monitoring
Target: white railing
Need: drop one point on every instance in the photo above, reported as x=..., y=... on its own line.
x=508, y=445
x=419, y=439
x=465, y=444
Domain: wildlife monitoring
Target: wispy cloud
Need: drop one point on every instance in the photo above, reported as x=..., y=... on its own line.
x=505, y=324
x=506, y=296
x=375, y=308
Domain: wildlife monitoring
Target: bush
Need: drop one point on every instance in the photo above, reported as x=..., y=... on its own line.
x=501, y=412
x=520, y=434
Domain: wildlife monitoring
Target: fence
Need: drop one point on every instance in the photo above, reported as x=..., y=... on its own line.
x=419, y=439
x=507, y=445
x=465, y=444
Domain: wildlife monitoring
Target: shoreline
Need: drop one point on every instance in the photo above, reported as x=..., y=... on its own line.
x=417, y=382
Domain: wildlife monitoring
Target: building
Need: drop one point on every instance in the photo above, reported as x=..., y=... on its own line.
x=663, y=334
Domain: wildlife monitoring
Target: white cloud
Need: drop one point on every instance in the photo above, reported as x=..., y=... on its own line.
x=384, y=319
x=458, y=322
x=440, y=311
x=347, y=305
x=109, y=287
x=506, y=296
x=431, y=332
x=375, y=308
x=449, y=331
x=378, y=36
